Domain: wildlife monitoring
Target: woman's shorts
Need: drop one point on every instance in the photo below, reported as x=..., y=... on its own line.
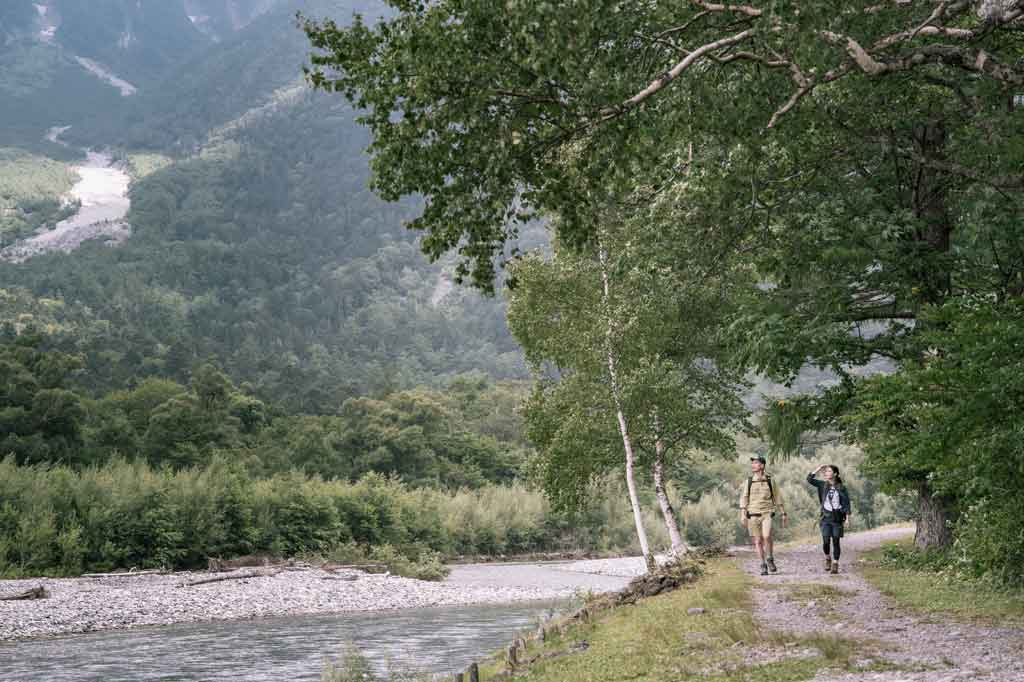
x=831, y=529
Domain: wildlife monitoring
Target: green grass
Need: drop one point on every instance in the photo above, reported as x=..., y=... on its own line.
x=27, y=176
x=941, y=592
x=30, y=191
x=657, y=640
x=142, y=164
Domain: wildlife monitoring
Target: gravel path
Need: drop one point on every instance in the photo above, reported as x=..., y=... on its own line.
x=77, y=605
x=929, y=651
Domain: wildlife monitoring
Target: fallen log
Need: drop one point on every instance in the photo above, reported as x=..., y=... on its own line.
x=216, y=564
x=233, y=576
x=330, y=568
x=35, y=593
x=126, y=574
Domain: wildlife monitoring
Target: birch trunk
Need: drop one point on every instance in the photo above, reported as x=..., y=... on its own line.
x=679, y=546
x=627, y=443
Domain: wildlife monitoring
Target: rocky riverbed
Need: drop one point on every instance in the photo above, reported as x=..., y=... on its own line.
x=78, y=605
x=102, y=195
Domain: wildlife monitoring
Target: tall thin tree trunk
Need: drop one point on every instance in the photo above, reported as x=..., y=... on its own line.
x=627, y=443
x=679, y=546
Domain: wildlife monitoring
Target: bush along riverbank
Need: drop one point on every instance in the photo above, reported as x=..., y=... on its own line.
x=59, y=521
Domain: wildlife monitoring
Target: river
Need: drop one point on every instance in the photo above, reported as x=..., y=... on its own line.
x=442, y=639
x=271, y=650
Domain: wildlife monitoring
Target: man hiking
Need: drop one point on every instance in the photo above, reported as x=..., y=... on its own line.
x=759, y=502
x=834, y=501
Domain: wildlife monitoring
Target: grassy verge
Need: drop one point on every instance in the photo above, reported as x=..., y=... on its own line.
x=658, y=639
x=937, y=591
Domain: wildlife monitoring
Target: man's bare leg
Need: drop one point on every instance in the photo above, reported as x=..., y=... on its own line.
x=770, y=545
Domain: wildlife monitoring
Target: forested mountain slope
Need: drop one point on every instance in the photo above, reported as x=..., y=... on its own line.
x=217, y=84
x=259, y=248
x=63, y=62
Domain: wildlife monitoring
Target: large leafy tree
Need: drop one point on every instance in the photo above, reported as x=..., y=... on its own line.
x=861, y=163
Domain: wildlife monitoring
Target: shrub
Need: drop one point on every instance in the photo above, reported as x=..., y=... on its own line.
x=711, y=521
x=419, y=563
x=354, y=666
x=989, y=541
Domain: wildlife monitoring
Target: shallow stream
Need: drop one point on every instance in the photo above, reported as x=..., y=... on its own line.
x=441, y=639
x=271, y=650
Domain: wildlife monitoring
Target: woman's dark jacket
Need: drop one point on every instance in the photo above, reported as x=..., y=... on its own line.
x=822, y=486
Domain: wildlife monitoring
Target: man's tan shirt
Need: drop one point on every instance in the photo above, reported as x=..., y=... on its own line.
x=761, y=500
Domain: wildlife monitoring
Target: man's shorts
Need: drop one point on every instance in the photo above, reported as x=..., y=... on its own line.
x=760, y=525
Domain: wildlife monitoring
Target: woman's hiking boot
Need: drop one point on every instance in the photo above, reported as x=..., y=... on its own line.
x=828, y=564
x=771, y=564
x=764, y=568
x=835, y=566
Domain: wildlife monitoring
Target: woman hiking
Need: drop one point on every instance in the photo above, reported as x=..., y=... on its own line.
x=834, y=503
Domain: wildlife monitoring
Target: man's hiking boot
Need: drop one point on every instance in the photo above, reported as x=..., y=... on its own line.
x=828, y=564
x=764, y=568
x=835, y=567
x=771, y=565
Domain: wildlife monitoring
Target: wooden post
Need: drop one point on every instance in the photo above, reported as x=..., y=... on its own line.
x=474, y=672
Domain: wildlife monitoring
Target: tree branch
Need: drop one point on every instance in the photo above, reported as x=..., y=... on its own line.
x=976, y=61
x=746, y=10
x=673, y=73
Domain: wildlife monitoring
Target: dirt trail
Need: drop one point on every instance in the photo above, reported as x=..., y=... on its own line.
x=927, y=648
